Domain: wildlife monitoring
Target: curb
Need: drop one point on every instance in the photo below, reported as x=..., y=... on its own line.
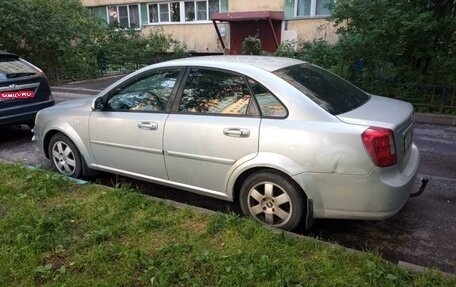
x=421, y=269
x=119, y=75
x=75, y=90
x=437, y=119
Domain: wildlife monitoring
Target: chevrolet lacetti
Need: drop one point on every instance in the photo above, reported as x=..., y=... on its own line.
x=285, y=139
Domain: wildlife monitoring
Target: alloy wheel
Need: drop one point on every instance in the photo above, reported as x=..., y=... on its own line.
x=63, y=157
x=270, y=203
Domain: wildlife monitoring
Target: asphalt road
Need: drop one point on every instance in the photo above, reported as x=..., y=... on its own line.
x=422, y=233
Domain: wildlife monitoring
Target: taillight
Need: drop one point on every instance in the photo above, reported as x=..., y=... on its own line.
x=379, y=143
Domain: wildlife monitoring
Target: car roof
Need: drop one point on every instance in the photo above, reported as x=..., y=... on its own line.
x=8, y=55
x=267, y=63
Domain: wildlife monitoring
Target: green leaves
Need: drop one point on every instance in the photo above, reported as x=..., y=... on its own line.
x=64, y=39
x=46, y=32
x=416, y=38
x=251, y=46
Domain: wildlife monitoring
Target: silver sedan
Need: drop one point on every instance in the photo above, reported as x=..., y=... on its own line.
x=287, y=140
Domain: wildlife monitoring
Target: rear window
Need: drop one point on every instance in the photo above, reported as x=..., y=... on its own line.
x=13, y=68
x=331, y=92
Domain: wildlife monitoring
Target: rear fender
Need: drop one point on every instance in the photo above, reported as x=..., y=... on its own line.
x=264, y=160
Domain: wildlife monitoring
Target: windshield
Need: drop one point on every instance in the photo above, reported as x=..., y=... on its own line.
x=331, y=92
x=13, y=68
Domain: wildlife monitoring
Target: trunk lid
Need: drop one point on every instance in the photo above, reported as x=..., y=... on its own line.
x=386, y=113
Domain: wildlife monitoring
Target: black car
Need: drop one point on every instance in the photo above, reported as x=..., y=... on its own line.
x=24, y=90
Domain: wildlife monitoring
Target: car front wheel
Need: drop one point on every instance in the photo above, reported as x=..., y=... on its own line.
x=64, y=156
x=272, y=199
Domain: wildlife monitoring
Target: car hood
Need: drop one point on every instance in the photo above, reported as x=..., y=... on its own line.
x=74, y=104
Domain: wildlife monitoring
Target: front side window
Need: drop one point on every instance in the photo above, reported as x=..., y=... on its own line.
x=150, y=93
x=330, y=92
x=183, y=11
x=125, y=16
x=214, y=92
x=312, y=8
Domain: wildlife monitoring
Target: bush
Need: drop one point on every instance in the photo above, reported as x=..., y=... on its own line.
x=68, y=43
x=318, y=52
x=286, y=49
x=251, y=46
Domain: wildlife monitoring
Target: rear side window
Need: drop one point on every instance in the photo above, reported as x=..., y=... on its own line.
x=332, y=93
x=270, y=106
x=214, y=92
x=14, y=68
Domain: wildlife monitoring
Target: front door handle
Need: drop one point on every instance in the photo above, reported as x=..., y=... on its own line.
x=236, y=132
x=148, y=125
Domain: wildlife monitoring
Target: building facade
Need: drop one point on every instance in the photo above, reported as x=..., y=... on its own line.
x=192, y=22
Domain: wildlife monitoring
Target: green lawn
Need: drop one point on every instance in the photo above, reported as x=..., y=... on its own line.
x=56, y=233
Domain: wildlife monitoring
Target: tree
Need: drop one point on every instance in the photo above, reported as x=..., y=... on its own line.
x=65, y=40
x=399, y=40
x=50, y=33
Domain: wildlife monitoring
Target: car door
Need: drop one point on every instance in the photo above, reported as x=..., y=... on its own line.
x=214, y=125
x=127, y=134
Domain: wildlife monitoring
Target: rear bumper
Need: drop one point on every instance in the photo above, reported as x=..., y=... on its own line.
x=379, y=195
x=22, y=113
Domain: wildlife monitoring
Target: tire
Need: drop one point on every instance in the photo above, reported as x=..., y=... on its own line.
x=273, y=200
x=64, y=156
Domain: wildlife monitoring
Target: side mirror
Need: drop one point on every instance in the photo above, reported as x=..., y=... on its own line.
x=98, y=104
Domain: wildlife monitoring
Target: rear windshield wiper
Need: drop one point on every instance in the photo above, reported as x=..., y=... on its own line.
x=17, y=75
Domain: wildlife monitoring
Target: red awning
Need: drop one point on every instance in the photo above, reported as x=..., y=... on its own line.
x=248, y=16
x=268, y=16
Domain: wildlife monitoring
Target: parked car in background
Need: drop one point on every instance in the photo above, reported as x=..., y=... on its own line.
x=287, y=140
x=24, y=90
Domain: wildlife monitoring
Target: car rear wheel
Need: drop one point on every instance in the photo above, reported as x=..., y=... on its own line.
x=272, y=199
x=64, y=156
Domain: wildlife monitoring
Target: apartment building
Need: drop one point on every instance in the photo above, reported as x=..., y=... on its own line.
x=220, y=26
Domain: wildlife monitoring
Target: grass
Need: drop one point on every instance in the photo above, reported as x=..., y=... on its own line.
x=56, y=233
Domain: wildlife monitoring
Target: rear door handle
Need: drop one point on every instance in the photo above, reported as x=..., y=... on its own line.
x=148, y=125
x=236, y=132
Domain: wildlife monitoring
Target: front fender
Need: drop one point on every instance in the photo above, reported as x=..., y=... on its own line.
x=68, y=130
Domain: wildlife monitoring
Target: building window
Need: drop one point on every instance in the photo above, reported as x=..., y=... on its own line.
x=175, y=11
x=153, y=13
x=214, y=7
x=201, y=10
x=124, y=16
x=312, y=8
x=191, y=11
x=164, y=12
